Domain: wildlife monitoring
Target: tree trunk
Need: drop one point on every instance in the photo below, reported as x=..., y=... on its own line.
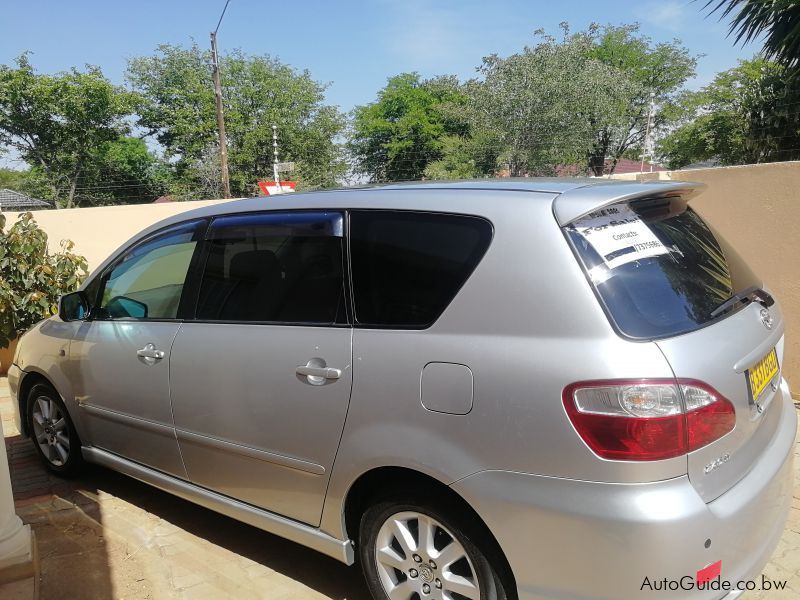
x=54, y=189
x=50, y=182
x=614, y=163
x=597, y=163
x=72, y=187
x=597, y=157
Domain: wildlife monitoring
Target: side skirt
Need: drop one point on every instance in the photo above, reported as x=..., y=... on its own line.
x=267, y=521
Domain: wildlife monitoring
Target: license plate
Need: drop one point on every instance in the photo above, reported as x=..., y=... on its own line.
x=762, y=373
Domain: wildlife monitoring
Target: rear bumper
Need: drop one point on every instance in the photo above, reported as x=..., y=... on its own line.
x=579, y=539
x=14, y=378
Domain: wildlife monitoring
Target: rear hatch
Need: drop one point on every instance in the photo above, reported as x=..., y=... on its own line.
x=723, y=355
x=662, y=274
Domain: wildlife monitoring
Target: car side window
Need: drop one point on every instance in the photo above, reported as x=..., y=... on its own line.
x=147, y=282
x=276, y=268
x=407, y=266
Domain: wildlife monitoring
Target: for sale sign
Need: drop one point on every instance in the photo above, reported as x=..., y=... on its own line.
x=619, y=236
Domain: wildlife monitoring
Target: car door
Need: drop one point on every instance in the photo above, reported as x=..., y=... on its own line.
x=120, y=355
x=261, y=378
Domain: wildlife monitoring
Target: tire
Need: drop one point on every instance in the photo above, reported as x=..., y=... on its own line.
x=52, y=431
x=408, y=570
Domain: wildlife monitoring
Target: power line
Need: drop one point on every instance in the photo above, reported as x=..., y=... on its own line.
x=221, y=16
x=223, y=143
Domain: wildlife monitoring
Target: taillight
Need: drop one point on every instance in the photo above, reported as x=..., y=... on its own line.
x=647, y=419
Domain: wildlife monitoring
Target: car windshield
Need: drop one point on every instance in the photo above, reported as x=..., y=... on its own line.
x=657, y=267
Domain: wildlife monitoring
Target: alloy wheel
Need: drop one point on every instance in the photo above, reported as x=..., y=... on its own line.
x=418, y=558
x=51, y=430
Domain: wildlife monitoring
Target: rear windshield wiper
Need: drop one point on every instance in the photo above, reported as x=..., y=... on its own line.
x=748, y=295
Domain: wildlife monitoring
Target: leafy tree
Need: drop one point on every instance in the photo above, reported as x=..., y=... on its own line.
x=399, y=135
x=655, y=72
x=545, y=105
x=578, y=100
x=31, y=278
x=122, y=171
x=748, y=114
x=466, y=157
x=258, y=91
x=178, y=101
x=14, y=179
x=206, y=177
x=56, y=122
x=777, y=20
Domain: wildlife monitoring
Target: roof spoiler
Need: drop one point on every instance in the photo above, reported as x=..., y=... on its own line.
x=579, y=202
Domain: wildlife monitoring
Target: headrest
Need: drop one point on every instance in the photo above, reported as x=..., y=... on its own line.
x=253, y=264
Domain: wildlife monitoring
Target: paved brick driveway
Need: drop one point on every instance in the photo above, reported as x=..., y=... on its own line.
x=109, y=536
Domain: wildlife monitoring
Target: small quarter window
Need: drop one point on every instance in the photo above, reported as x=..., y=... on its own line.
x=408, y=267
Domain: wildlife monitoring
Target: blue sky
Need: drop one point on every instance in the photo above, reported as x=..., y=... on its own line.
x=352, y=44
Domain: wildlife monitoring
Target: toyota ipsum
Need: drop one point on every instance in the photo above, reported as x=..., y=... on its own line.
x=473, y=390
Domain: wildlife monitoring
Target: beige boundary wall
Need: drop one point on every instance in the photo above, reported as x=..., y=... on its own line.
x=98, y=231
x=757, y=209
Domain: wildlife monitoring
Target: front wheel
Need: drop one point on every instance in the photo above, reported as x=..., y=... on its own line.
x=415, y=552
x=53, y=433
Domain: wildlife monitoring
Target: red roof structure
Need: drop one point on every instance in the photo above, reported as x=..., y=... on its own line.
x=626, y=165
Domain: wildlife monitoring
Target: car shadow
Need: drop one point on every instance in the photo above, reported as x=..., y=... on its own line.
x=92, y=546
x=321, y=573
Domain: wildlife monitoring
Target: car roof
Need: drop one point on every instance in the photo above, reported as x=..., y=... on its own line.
x=576, y=196
x=571, y=197
x=449, y=196
x=556, y=185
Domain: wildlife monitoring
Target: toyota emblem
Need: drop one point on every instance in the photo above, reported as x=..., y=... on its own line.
x=766, y=318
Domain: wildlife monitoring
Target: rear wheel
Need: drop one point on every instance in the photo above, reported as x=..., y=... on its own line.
x=52, y=431
x=412, y=551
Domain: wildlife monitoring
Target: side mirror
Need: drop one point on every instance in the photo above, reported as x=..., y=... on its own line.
x=121, y=307
x=73, y=307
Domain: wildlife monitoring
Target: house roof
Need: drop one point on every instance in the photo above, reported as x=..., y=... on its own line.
x=626, y=165
x=14, y=201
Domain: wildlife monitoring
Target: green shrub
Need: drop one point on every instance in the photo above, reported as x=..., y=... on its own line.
x=32, y=279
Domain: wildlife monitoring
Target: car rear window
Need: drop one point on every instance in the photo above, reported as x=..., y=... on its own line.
x=407, y=267
x=657, y=267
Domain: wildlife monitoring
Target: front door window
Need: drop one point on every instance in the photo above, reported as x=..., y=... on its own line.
x=147, y=282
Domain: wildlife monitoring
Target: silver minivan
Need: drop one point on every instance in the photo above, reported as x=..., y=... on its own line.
x=485, y=389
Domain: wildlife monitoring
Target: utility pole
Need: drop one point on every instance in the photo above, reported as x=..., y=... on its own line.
x=646, y=144
x=275, y=157
x=223, y=142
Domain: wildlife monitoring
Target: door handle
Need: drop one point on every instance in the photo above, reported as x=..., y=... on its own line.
x=317, y=372
x=149, y=354
x=322, y=372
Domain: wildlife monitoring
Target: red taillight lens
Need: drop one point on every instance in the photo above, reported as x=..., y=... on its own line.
x=647, y=419
x=707, y=424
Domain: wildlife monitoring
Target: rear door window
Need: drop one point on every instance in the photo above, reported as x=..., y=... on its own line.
x=657, y=267
x=274, y=267
x=407, y=267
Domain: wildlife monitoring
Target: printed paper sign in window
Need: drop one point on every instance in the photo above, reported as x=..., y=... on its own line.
x=619, y=236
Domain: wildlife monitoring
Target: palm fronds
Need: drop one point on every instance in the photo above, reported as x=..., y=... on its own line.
x=778, y=20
